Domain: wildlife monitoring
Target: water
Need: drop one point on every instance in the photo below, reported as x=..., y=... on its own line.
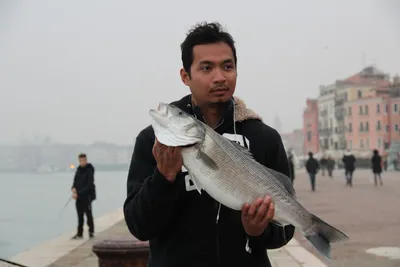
x=31, y=203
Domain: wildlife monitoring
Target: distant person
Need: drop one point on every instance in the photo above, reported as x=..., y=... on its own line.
x=349, y=167
x=84, y=191
x=291, y=166
x=376, y=161
x=330, y=166
x=323, y=162
x=312, y=168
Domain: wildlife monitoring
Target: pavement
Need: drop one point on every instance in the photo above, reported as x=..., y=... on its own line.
x=369, y=215
x=364, y=212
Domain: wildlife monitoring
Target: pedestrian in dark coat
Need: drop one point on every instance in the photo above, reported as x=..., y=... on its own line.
x=376, y=162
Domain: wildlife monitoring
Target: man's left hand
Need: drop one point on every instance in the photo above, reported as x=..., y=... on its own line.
x=255, y=217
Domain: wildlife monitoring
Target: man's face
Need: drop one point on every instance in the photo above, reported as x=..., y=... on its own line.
x=82, y=162
x=213, y=74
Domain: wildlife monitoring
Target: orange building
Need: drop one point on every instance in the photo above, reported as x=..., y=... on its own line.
x=310, y=127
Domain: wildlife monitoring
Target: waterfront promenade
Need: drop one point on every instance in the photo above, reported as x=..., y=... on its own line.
x=363, y=212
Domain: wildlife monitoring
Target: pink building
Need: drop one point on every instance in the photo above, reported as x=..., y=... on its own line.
x=394, y=119
x=310, y=127
x=367, y=123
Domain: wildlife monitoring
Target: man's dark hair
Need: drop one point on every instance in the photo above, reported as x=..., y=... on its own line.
x=82, y=156
x=204, y=33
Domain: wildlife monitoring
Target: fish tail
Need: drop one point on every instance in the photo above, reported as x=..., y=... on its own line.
x=321, y=235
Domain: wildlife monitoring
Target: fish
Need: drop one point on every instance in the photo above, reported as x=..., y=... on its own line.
x=230, y=174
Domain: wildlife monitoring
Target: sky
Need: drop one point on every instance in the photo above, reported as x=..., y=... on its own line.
x=86, y=71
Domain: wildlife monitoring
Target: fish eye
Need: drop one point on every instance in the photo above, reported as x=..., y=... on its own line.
x=180, y=113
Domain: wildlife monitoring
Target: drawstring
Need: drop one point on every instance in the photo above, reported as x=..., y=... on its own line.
x=219, y=209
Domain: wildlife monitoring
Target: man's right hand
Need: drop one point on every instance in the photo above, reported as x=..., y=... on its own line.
x=169, y=160
x=74, y=193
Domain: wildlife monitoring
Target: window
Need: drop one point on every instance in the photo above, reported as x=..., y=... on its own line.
x=395, y=108
x=359, y=94
x=387, y=128
x=378, y=125
x=360, y=110
x=366, y=126
x=361, y=127
x=378, y=108
x=367, y=143
x=361, y=143
x=366, y=110
x=349, y=111
x=396, y=127
x=350, y=129
x=386, y=108
x=309, y=136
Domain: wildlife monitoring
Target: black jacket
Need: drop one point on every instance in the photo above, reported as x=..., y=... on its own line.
x=349, y=162
x=84, y=182
x=376, y=162
x=312, y=165
x=181, y=225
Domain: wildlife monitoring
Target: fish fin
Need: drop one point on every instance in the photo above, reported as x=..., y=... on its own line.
x=285, y=181
x=194, y=180
x=243, y=149
x=209, y=162
x=321, y=235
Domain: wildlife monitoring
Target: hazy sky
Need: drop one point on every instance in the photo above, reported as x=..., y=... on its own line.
x=81, y=71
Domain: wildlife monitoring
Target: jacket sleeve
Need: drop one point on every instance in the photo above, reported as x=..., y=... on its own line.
x=151, y=198
x=275, y=236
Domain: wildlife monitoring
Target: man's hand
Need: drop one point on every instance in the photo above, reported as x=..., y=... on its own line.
x=169, y=160
x=255, y=217
x=74, y=193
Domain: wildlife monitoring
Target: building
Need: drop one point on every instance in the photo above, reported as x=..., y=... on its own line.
x=294, y=141
x=373, y=118
x=327, y=123
x=310, y=127
x=367, y=124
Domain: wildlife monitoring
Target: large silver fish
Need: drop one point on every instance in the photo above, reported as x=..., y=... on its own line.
x=229, y=173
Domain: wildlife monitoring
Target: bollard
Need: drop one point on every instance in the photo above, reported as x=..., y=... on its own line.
x=122, y=251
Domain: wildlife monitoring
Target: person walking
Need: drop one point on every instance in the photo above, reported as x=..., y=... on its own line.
x=291, y=166
x=84, y=192
x=312, y=168
x=349, y=166
x=376, y=162
x=330, y=166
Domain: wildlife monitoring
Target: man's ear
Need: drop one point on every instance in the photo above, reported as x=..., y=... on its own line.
x=185, y=77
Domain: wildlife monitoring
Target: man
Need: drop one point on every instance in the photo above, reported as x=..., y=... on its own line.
x=330, y=165
x=312, y=168
x=376, y=162
x=323, y=162
x=349, y=166
x=84, y=191
x=291, y=166
x=186, y=228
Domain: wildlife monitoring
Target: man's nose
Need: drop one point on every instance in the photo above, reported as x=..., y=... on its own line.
x=219, y=76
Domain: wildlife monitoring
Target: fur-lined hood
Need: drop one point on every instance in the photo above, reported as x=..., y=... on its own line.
x=242, y=112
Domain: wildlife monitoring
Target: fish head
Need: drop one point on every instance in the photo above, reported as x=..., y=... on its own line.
x=175, y=127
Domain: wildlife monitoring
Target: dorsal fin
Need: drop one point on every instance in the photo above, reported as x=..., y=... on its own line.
x=243, y=149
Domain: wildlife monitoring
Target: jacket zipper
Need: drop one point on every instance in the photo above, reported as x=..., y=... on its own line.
x=217, y=232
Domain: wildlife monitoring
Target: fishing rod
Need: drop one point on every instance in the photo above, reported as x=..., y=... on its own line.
x=66, y=204
x=12, y=263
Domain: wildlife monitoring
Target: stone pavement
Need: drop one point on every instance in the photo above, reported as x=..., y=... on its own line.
x=368, y=215
x=292, y=255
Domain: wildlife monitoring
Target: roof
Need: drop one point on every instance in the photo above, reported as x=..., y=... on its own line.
x=368, y=76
